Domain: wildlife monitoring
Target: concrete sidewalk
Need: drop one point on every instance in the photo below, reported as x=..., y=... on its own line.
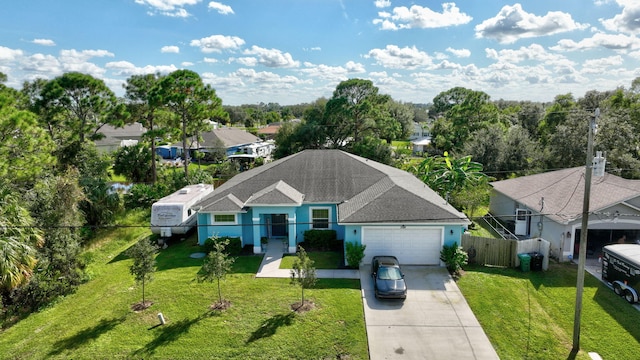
x=270, y=266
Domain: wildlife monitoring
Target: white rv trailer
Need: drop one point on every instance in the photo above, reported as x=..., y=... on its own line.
x=173, y=214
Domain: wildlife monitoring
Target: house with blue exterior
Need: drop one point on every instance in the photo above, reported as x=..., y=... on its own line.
x=389, y=210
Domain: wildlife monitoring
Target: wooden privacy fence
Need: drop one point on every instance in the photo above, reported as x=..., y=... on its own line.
x=490, y=251
x=502, y=252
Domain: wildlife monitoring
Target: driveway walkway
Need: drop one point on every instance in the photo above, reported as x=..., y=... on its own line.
x=434, y=322
x=270, y=266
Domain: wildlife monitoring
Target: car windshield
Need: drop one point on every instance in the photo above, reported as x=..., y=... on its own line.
x=389, y=273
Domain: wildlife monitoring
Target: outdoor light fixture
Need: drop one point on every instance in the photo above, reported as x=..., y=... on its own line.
x=355, y=231
x=402, y=227
x=451, y=231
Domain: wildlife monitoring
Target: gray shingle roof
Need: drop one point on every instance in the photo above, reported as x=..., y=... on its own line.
x=279, y=193
x=365, y=190
x=563, y=192
x=229, y=137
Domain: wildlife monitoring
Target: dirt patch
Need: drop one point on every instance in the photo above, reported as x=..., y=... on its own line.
x=141, y=306
x=303, y=308
x=220, y=305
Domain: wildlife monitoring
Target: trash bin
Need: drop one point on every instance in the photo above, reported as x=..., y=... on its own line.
x=525, y=261
x=536, y=261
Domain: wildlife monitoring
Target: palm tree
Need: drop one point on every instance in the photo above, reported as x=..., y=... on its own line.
x=18, y=239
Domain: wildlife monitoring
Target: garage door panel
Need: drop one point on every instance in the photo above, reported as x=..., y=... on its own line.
x=417, y=245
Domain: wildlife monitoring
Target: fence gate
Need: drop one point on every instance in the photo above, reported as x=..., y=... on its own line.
x=489, y=251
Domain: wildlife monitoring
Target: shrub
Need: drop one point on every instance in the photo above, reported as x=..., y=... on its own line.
x=454, y=257
x=233, y=248
x=320, y=239
x=355, y=254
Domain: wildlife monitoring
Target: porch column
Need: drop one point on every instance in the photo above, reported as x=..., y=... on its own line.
x=293, y=247
x=257, y=248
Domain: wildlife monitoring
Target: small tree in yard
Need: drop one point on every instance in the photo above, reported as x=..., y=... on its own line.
x=216, y=266
x=303, y=274
x=144, y=265
x=454, y=257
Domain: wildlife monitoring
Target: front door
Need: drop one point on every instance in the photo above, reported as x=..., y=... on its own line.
x=279, y=225
x=523, y=220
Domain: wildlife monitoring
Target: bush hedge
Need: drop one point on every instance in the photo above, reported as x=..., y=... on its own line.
x=234, y=247
x=322, y=240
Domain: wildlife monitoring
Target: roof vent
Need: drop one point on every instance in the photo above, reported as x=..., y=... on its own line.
x=184, y=191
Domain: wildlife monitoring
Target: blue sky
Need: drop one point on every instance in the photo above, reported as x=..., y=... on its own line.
x=295, y=51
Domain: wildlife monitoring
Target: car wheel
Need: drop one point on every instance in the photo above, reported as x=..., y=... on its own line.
x=628, y=295
x=617, y=289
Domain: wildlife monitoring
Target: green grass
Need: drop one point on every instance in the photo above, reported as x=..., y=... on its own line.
x=321, y=260
x=97, y=322
x=531, y=315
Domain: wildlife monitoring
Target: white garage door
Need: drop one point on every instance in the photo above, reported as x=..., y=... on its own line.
x=412, y=245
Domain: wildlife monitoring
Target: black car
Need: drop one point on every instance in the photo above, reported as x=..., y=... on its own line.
x=388, y=279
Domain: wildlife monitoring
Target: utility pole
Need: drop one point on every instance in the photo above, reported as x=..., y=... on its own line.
x=583, y=232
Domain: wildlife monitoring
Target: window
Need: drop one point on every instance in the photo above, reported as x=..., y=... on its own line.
x=224, y=218
x=320, y=218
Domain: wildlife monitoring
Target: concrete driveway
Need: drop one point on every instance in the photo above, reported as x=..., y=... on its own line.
x=434, y=322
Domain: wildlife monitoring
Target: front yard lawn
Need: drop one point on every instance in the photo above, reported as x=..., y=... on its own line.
x=321, y=260
x=97, y=322
x=530, y=315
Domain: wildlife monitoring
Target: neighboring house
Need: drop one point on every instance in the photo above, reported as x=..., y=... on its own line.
x=232, y=139
x=365, y=202
x=420, y=145
x=115, y=137
x=550, y=206
x=418, y=131
x=269, y=132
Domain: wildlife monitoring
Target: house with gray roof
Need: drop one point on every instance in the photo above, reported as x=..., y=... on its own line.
x=549, y=206
x=115, y=137
x=389, y=210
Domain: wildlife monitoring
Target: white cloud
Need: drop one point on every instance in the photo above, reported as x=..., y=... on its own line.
x=381, y=74
x=613, y=42
x=266, y=78
x=421, y=17
x=170, y=49
x=333, y=74
x=400, y=58
x=125, y=68
x=354, y=67
x=513, y=23
x=246, y=61
x=627, y=21
x=221, y=8
x=533, y=52
x=382, y=3
x=9, y=54
x=210, y=60
x=77, y=57
x=597, y=66
x=461, y=53
x=171, y=8
x=272, y=57
x=217, y=43
x=42, y=65
x=44, y=42
x=186, y=64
